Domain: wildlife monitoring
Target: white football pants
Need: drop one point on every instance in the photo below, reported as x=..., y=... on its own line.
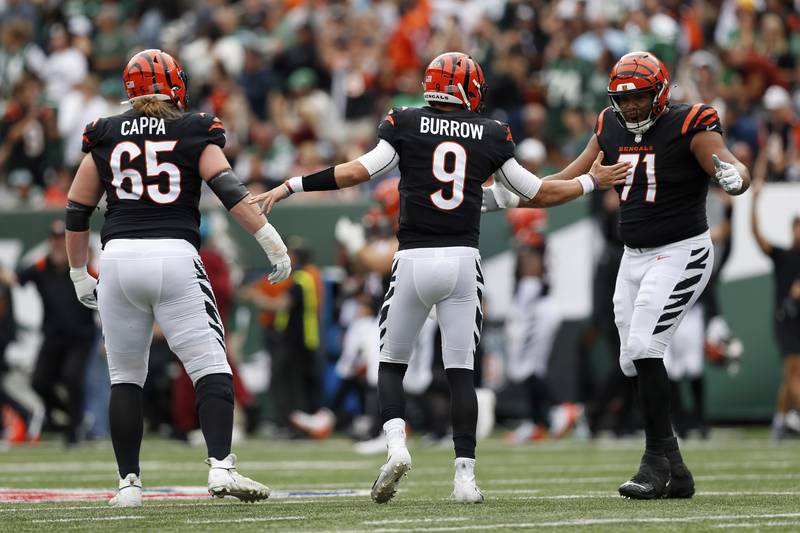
x=685, y=354
x=449, y=279
x=655, y=287
x=532, y=324
x=161, y=280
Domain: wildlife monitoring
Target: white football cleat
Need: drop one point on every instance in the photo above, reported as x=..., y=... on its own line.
x=465, y=490
x=390, y=474
x=224, y=480
x=129, y=494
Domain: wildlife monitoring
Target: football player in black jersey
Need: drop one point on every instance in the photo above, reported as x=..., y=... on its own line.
x=150, y=163
x=668, y=257
x=445, y=151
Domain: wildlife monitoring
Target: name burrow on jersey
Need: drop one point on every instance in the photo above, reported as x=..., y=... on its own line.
x=143, y=125
x=452, y=128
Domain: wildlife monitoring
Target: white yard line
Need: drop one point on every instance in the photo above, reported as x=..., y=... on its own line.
x=589, y=522
x=86, y=519
x=244, y=520
x=414, y=520
x=757, y=525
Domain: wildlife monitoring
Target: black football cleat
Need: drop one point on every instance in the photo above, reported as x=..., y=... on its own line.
x=650, y=482
x=681, y=482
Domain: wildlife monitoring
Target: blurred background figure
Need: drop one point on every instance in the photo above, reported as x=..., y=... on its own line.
x=69, y=332
x=786, y=264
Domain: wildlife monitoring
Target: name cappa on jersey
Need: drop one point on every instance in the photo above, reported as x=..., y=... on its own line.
x=451, y=128
x=143, y=125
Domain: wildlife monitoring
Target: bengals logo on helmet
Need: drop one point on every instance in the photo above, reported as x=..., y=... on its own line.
x=639, y=72
x=156, y=73
x=455, y=78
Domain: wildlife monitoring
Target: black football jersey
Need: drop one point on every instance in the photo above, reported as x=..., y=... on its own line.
x=149, y=169
x=664, y=201
x=444, y=159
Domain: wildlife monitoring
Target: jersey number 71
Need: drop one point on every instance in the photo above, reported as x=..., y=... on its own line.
x=649, y=161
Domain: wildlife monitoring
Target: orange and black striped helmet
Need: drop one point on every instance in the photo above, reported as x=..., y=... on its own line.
x=455, y=78
x=156, y=73
x=638, y=72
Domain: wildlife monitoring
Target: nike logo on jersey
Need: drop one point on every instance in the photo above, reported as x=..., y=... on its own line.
x=451, y=128
x=711, y=127
x=660, y=257
x=143, y=125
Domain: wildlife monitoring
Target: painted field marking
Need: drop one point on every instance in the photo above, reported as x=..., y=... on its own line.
x=160, y=493
x=414, y=520
x=590, y=522
x=756, y=524
x=86, y=519
x=243, y=520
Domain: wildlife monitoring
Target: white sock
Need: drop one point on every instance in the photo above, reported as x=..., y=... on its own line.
x=395, y=430
x=465, y=468
x=778, y=420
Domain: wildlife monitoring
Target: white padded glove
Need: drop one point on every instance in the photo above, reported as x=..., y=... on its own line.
x=727, y=176
x=496, y=197
x=85, y=286
x=275, y=249
x=350, y=235
x=281, y=268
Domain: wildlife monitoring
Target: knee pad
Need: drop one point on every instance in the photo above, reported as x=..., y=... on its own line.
x=627, y=367
x=127, y=368
x=636, y=347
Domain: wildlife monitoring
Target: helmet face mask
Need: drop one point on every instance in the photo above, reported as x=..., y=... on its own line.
x=455, y=78
x=637, y=74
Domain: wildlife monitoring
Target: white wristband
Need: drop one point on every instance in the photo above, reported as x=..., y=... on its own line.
x=587, y=182
x=295, y=184
x=270, y=241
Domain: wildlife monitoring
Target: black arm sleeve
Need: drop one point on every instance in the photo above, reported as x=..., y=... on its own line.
x=77, y=216
x=228, y=188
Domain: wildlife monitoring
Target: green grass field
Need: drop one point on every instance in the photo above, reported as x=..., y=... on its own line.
x=743, y=482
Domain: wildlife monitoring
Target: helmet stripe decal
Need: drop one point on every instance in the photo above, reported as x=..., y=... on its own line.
x=166, y=68
x=689, y=117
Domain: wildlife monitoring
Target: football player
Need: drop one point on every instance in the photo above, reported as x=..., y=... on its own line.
x=668, y=254
x=150, y=162
x=445, y=151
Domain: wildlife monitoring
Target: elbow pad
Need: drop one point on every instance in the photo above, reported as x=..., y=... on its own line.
x=76, y=217
x=228, y=188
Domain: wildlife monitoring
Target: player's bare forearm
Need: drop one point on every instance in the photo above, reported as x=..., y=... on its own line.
x=580, y=165
x=555, y=193
x=247, y=215
x=77, y=248
x=350, y=174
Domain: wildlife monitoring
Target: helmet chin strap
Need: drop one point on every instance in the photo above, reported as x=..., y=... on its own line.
x=464, y=96
x=640, y=127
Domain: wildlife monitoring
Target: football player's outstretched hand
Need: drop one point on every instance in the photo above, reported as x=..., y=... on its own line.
x=607, y=176
x=85, y=285
x=268, y=199
x=281, y=268
x=496, y=197
x=727, y=176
